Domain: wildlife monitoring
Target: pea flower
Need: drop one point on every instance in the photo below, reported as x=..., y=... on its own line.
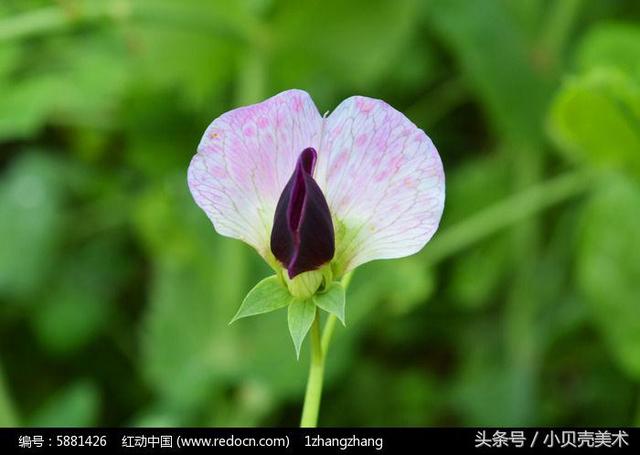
x=317, y=196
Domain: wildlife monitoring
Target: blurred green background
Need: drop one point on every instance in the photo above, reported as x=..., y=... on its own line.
x=115, y=291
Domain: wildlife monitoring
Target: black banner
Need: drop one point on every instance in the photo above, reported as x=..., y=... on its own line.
x=322, y=440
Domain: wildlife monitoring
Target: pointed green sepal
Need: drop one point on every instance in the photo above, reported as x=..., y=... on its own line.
x=301, y=316
x=268, y=295
x=332, y=300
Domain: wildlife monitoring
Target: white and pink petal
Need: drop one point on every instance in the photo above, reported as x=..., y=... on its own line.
x=383, y=180
x=245, y=159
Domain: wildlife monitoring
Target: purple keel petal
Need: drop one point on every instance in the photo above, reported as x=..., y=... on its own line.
x=302, y=238
x=244, y=160
x=383, y=180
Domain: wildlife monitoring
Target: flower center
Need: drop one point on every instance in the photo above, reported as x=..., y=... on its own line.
x=302, y=238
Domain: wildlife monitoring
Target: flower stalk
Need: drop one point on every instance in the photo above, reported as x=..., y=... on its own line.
x=319, y=349
x=311, y=407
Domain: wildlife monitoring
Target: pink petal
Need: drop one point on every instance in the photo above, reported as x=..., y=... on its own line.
x=383, y=181
x=244, y=161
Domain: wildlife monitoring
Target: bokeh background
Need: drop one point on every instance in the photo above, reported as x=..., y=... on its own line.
x=115, y=291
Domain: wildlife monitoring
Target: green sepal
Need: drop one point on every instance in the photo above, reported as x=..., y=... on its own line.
x=301, y=316
x=268, y=295
x=332, y=300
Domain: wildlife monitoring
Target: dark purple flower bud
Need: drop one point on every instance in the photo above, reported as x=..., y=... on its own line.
x=302, y=238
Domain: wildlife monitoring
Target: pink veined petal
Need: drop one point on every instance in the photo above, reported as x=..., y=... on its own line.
x=383, y=181
x=245, y=159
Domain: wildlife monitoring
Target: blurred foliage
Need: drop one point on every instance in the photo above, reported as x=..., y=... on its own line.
x=115, y=291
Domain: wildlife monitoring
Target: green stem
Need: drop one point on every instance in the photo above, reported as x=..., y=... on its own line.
x=311, y=406
x=319, y=349
x=506, y=213
x=327, y=333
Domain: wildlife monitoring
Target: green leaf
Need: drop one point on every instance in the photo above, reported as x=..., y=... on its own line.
x=266, y=296
x=301, y=316
x=84, y=86
x=332, y=300
x=608, y=269
x=483, y=36
x=596, y=119
x=614, y=46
